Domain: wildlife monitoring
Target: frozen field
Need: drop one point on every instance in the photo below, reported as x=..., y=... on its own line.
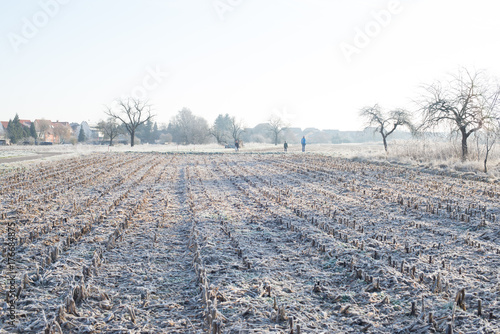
x=136, y=242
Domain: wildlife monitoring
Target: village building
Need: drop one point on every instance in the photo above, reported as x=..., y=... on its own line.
x=46, y=130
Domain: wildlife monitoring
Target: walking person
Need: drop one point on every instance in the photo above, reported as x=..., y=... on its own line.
x=237, y=145
x=285, y=146
x=303, y=142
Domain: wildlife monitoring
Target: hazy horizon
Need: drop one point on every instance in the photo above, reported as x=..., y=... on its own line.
x=315, y=63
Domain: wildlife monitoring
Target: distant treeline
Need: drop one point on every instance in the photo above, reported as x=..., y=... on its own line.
x=187, y=128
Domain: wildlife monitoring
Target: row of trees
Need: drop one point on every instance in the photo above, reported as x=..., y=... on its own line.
x=466, y=104
x=135, y=118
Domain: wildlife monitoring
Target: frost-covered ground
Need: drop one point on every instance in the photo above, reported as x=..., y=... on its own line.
x=423, y=155
x=247, y=243
x=13, y=153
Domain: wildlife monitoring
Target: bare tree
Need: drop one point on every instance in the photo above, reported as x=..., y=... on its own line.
x=492, y=125
x=221, y=128
x=236, y=128
x=187, y=128
x=63, y=132
x=463, y=103
x=132, y=113
x=276, y=127
x=110, y=128
x=386, y=124
x=491, y=137
x=43, y=127
x=200, y=130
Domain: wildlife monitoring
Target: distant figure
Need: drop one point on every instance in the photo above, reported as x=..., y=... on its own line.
x=303, y=142
x=285, y=146
x=236, y=145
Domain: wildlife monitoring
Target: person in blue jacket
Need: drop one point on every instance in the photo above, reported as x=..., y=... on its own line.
x=303, y=142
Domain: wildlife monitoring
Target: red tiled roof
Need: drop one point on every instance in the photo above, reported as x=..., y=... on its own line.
x=27, y=122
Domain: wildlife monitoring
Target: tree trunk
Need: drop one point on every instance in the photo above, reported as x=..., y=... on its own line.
x=110, y=141
x=465, y=149
x=132, y=137
x=485, y=163
x=384, y=138
x=486, y=155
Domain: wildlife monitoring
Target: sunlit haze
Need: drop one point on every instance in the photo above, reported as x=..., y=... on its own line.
x=315, y=63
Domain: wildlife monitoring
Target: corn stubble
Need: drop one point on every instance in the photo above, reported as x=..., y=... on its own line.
x=268, y=243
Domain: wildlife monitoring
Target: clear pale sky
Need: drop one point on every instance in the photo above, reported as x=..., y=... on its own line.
x=65, y=59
